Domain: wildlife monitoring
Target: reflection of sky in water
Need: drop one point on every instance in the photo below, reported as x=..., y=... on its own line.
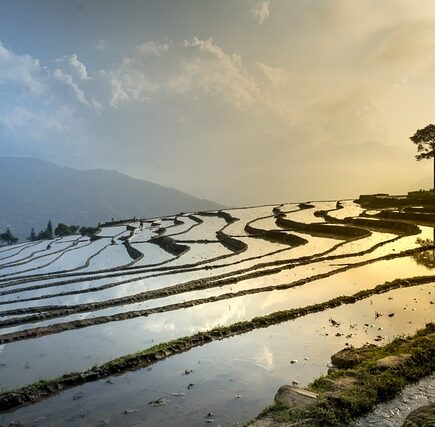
x=251, y=366
x=82, y=348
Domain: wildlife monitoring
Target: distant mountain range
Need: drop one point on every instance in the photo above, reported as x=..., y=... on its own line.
x=33, y=191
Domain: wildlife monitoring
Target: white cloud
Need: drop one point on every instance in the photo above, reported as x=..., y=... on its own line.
x=261, y=11
x=152, y=48
x=206, y=69
x=101, y=44
x=36, y=124
x=68, y=80
x=73, y=66
x=197, y=69
x=74, y=74
x=21, y=70
x=276, y=76
x=130, y=83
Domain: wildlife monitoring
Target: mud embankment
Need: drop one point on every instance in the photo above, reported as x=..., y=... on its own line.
x=169, y=245
x=232, y=244
x=419, y=218
x=276, y=236
x=379, y=225
x=323, y=230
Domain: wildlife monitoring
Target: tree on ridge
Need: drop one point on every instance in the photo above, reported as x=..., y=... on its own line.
x=425, y=141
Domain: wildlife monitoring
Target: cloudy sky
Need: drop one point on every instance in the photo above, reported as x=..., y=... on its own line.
x=238, y=101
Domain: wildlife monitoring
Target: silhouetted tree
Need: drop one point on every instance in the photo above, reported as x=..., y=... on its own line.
x=425, y=141
x=88, y=231
x=65, y=230
x=49, y=230
x=8, y=237
x=32, y=237
x=47, y=234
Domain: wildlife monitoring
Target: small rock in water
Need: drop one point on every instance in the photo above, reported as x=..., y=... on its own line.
x=109, y=381
x=210, y=414
x=334, y=322
x=293, y=361
x=391, y=314
x=294, y=382
x=130, y=411
x=306, y=358
x=237, y=396
x=209, y=421
x=178, y=394
x=338, y=334
x=187, y=371
x=158, y=402
x=191, y=385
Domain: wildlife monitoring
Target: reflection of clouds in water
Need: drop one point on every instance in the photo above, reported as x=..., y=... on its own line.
x=1, y=348
x=264, y=358
x=234, y=311
x=160, y=326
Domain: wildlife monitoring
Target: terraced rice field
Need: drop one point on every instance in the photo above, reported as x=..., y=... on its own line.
x=252, y=289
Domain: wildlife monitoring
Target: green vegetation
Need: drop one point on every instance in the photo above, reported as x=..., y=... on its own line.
x=61, y=230
x=47, y=234
x=88, y=231
x=345, y=394
x=32, y=236
x=428, y=196
x=8, y=237
x=65, y=230
x=425, y=141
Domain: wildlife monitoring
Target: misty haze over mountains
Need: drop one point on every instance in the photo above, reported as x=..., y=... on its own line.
x=33, y=191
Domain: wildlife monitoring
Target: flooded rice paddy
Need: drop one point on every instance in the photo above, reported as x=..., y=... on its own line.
x=69, y=304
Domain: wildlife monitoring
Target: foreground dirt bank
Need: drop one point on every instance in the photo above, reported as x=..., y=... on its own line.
x=359, y=380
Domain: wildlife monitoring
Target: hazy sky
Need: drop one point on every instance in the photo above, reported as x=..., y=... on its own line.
x=238, y=101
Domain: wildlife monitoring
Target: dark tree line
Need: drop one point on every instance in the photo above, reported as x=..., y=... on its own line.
x=61, y=230
x=8, y=237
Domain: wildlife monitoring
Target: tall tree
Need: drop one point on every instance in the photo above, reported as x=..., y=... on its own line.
x=425, y=141
x=49, y=230
x=8, y=237
x=32, y=237
x=61, y=230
